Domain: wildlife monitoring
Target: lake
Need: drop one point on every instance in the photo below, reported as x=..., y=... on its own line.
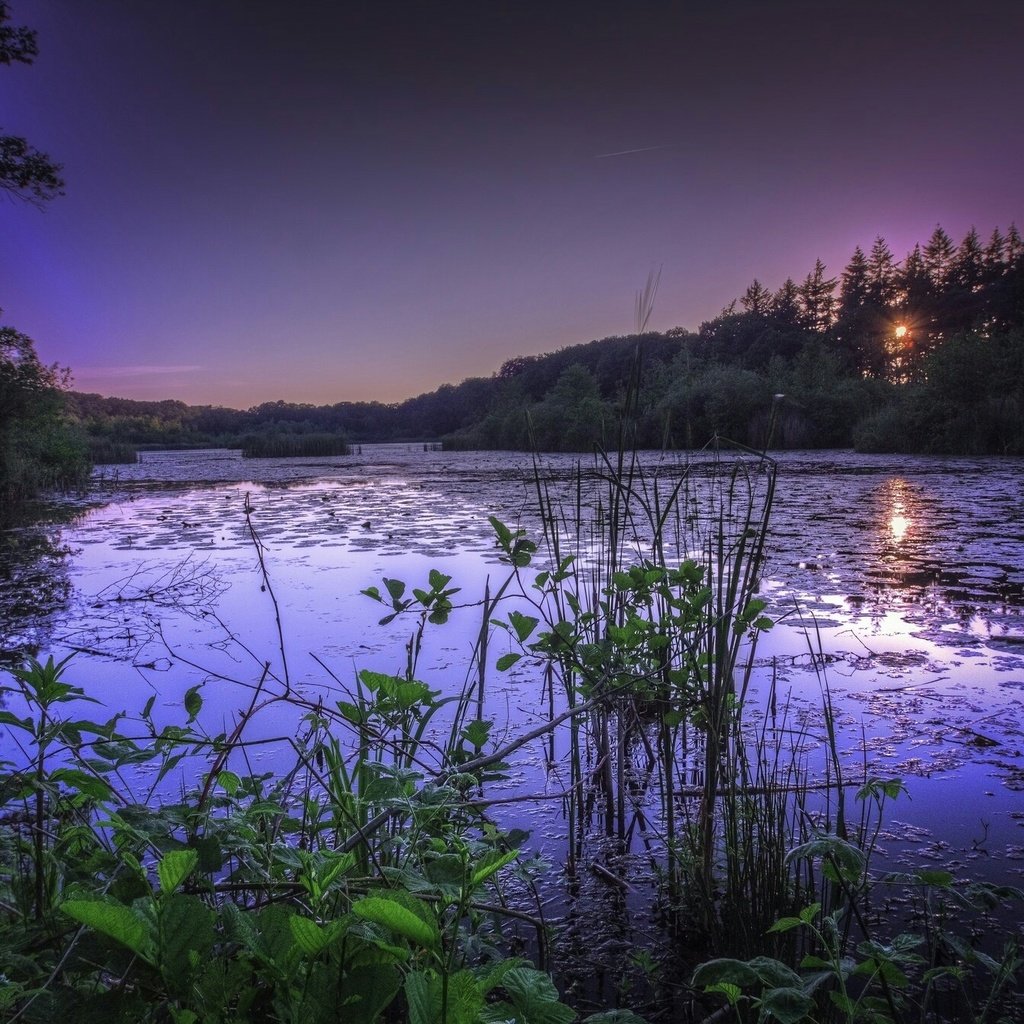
x=895, y=581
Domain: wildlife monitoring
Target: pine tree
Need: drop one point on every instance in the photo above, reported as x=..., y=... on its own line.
x=786, y=304
x=817, y=300
x=757, y=299
x=882, y=275
x=938, y=258
x=967, y=269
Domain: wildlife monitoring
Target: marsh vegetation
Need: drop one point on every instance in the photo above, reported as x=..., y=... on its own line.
x=269, y=836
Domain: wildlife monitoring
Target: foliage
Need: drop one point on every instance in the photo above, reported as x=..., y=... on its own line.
x=38, y=448
x=846, y=972
x=338, y=897
x=25, y=172
x=363, y=880
x=849, y=370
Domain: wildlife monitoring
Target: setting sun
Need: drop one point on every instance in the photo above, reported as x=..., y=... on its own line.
x=901, y=330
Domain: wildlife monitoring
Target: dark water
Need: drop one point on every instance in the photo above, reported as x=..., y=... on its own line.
x=897, y=582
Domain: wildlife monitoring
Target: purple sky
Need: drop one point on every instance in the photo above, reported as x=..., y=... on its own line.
x=329, y=201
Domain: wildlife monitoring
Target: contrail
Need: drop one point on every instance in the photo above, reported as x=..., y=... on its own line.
x=626, y=152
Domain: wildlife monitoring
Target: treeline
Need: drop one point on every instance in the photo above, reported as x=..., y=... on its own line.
x=922, y=354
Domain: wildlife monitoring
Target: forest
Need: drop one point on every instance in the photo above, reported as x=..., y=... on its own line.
x=922, y=355
x=925, y=354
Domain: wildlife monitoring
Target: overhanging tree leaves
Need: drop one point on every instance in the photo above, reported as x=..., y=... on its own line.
x=25, y=172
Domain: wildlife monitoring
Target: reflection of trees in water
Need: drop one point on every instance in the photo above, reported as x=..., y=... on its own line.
x=34, y=584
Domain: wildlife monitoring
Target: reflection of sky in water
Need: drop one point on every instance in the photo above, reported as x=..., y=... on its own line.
x=898, y=580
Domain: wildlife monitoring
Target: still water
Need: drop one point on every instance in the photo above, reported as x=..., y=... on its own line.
x=896, y=581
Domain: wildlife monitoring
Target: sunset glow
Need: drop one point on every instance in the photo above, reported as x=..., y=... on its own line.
x=420, y=192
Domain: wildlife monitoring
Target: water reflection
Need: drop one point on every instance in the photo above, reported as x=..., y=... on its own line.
x=35, y=584
x=894, y=493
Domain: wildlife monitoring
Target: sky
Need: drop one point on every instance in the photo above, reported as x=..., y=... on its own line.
x=347, y=201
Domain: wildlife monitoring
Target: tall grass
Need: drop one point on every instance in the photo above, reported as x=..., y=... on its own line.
x=287, y=446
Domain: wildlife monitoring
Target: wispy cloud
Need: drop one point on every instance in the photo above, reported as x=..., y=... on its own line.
x=92, y=372
x=627, y=152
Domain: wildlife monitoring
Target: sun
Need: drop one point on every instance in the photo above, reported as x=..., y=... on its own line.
x=901, y=330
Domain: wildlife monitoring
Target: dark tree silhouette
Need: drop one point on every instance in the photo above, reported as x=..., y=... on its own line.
x=25, y=172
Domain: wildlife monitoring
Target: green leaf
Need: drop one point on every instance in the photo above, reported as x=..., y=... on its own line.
x=396, y=588
x=193, y=702
x=810, y=912
x=941, y=879
x=773, y=973
x=735, y=972
x=533, y=998
x=788, y=1005
x=118, y=922
x=229, y=782
x=524, y=625
x=83, y=782
x=386, y=910
x=831, y=849
x=726, y=988
x=366, y=991
x=476, y=732
x=174, y=867
x=438, y=580
x=186, y=938
x=490, y=864
x=785, y=924
x=309, y=936
x=506, y=661
x=8, y=718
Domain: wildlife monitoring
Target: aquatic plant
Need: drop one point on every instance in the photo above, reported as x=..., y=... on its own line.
x=288, y=446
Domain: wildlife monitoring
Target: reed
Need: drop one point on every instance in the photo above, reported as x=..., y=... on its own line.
x=290, y=446
x=103, y=452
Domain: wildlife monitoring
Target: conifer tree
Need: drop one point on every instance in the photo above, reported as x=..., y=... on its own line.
x=817, y=301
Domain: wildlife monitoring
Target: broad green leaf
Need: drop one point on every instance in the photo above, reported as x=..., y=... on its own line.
x=84, y=782
x=506, y=661
x=773, y=973
x=726, y=988
x=385, y=910
x=438, y=580
x=533, y=999
x=785, y=924
x=121, y=923
x=186, y=938
x=229, y=782
x=490, y=864
x=735, y=972
x=309, y=936
x=174, y=867
x=831, y=848
x=193, y=702
x=810, y=912
x=366, y=991
x=788, y=1005
x=524, y=625
x=425, y=991
x=396, y=588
